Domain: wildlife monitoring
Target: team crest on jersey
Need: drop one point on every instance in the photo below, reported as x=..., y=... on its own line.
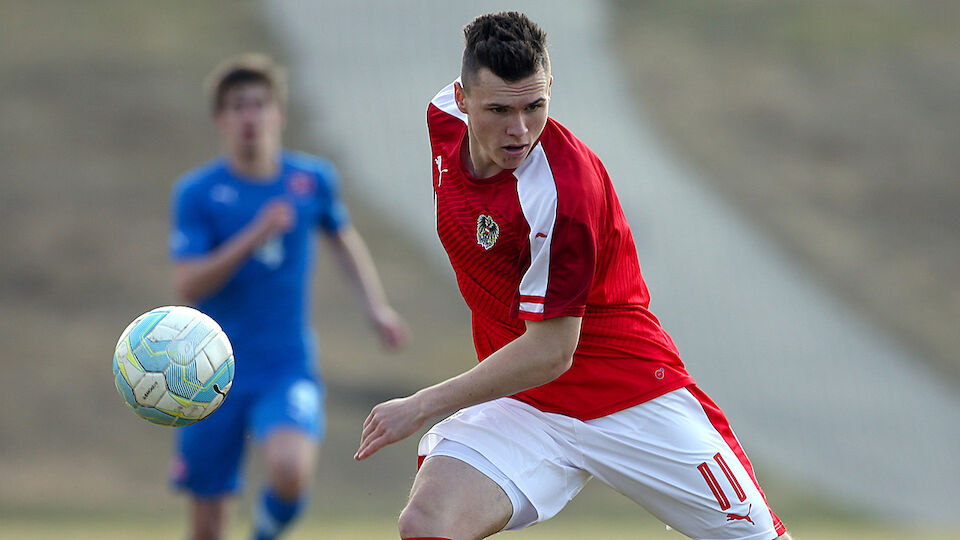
x=487, y=231
x=301, y=184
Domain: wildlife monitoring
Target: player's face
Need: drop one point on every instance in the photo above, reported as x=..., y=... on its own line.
x=250, y=121
x=506, y=119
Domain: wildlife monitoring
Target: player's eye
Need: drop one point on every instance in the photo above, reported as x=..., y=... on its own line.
x=498, y=110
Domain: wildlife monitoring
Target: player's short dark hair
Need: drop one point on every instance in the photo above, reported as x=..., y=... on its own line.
x=249, y=68
x=507, y=43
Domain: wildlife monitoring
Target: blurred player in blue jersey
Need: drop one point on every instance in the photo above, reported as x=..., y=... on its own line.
x=242, y=244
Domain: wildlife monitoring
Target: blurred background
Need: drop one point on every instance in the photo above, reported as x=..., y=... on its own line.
x=790, y=170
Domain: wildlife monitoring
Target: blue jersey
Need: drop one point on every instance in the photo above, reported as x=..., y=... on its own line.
x=264, y=307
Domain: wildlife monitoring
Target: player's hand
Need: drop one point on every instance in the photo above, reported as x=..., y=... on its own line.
x=275, y=217
x=389, y=422
x=393, y=330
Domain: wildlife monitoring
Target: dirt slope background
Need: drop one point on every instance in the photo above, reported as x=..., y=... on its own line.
x=834, y=127
x=834, y=130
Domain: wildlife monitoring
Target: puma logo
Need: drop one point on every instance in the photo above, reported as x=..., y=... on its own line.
x=734, y=517
x=440, y=169
x=216, y=388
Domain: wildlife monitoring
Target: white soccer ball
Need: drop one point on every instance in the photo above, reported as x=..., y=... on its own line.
x=173, y=365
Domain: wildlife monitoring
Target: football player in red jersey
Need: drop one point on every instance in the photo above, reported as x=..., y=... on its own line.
x=577, y=379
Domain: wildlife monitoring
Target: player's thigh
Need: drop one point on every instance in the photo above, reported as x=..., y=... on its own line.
x=290, y=454
x=529, y=453
x=288, y=420
x=683, y=466
x=451, y=497
x=289, y=403
x=208, y=454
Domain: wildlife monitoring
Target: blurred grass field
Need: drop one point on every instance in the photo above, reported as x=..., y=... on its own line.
x=379, y=528
x=102, y=109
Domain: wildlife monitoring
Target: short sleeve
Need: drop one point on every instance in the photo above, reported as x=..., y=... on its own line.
x=190, y=231
x=333, y=215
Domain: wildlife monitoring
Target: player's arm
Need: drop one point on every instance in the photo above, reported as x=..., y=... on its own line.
x=199, y=277
x=357, y=265
x=540, y=355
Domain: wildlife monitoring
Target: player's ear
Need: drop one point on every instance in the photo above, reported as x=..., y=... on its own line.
x=458, y=96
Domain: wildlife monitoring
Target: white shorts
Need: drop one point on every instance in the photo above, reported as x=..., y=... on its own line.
x=675, y=455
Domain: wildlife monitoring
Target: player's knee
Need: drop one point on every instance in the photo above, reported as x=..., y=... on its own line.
x=419, y=519
x=289, y=459
x=288, y=478
x=412, y=522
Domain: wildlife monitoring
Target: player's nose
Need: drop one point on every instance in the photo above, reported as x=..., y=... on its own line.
x=517, y=126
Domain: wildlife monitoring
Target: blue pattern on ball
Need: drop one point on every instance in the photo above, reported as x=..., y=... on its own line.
x=152, y=355
x=150, y=320
x=182, y=380
x=221, y=378
x=124, y=387
x=157, y=416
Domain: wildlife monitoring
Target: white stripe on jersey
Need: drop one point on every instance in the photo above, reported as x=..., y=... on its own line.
x=531, y=307
x=446, y=101
x=537, y=192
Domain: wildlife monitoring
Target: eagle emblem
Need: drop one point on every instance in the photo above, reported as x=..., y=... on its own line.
x=487, y=231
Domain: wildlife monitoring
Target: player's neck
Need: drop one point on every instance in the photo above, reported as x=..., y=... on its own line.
x=262, y=166
x=477, y=169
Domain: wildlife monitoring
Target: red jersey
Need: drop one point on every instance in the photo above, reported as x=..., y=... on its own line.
x=549, y=239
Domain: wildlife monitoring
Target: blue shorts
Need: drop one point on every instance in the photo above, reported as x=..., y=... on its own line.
x=209, y=454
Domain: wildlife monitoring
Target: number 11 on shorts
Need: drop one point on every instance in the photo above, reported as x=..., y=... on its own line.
x=714, y=486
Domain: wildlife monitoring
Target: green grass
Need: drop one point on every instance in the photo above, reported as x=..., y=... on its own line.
x=357, y=528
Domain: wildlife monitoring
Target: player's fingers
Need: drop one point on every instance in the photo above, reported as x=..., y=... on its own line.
x=372, y=417
x=368, y=420
x=373, y=429
x=395, y=336
x=401, y=334
x=390, y=338
x=370, y=447
x=371, y=424
x=361, y=449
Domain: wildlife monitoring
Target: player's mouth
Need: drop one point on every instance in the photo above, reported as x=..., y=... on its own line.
x=249, y=132
x=516, y=150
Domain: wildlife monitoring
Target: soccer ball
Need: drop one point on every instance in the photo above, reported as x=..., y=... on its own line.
x=173, y=366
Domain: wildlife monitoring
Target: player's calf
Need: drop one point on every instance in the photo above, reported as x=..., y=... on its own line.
x=289, y=457
x=273, y=514
x=207, y=517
